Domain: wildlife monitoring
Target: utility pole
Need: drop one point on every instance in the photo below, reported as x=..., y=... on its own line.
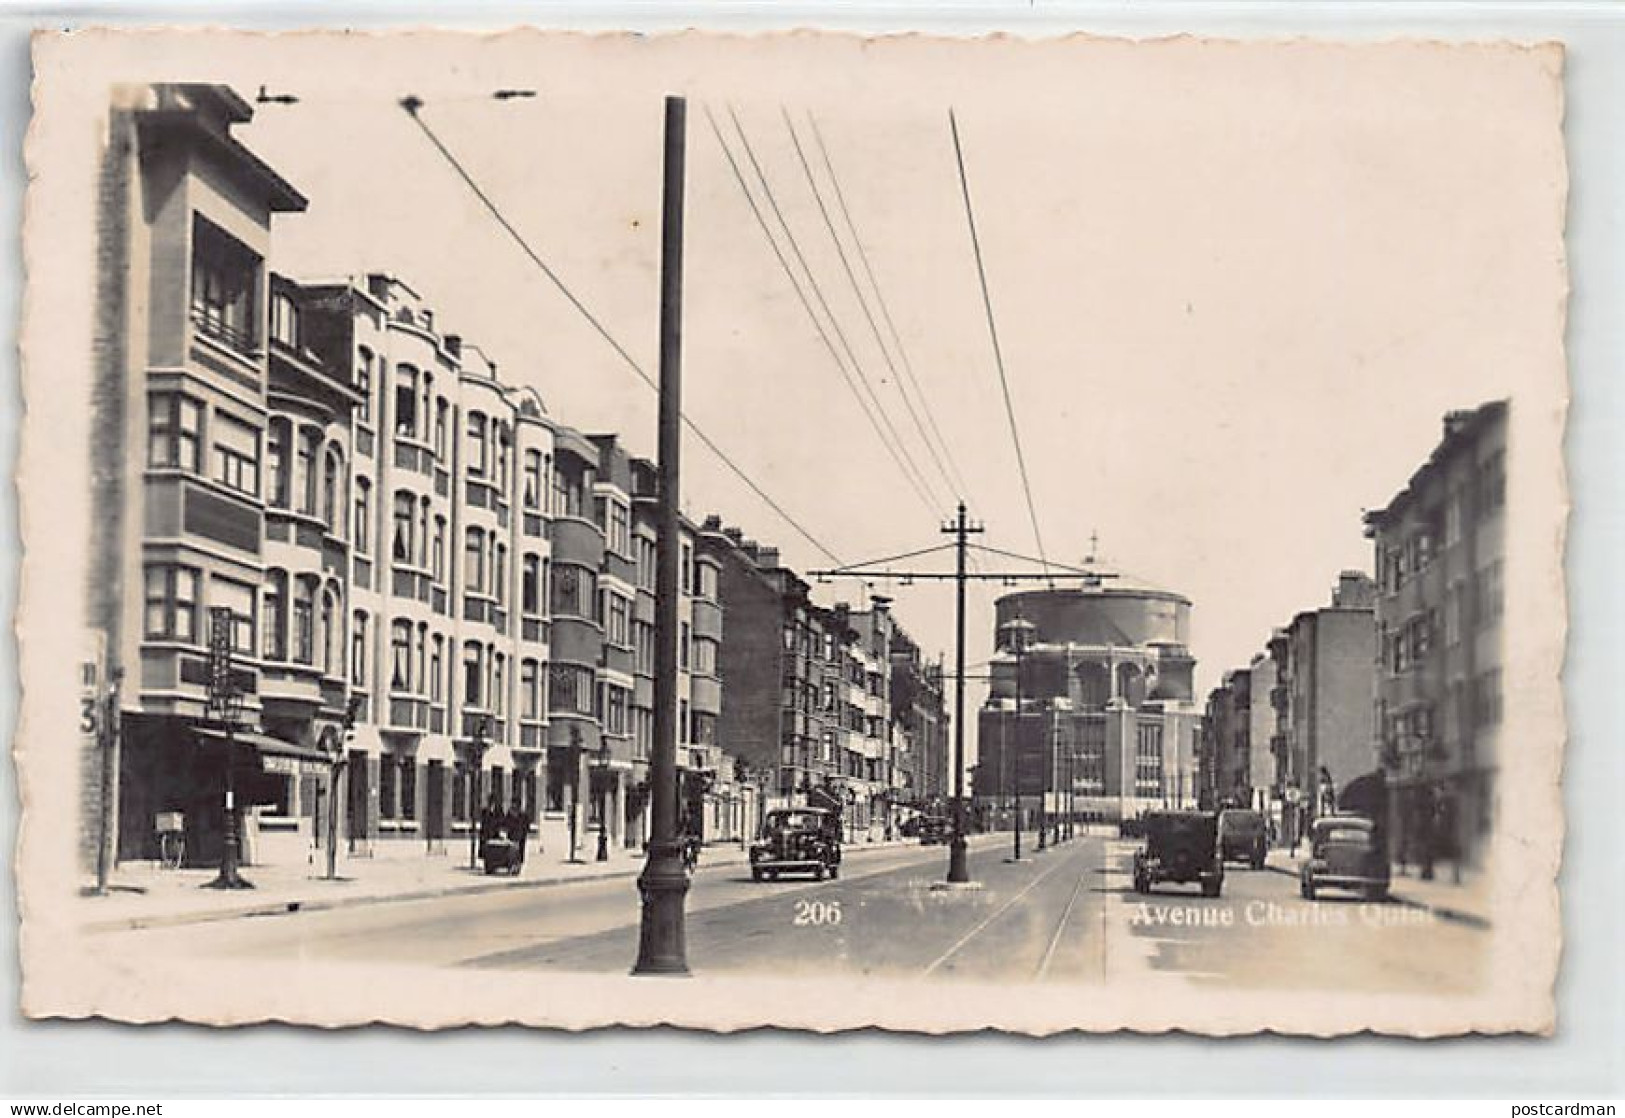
x=958, y=869
x=663, y=885
x=960, y=528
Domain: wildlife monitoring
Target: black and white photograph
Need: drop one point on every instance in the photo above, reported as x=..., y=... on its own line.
x=793, y=530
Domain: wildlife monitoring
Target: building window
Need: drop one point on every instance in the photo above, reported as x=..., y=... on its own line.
x=643, y=641
x=310, y=445
x=530, y=691
x=688, y=569
x=361, y=531
x=437, y=666
x=304, y=620
x=225, y=279
x=474, y=561
x=437, y=555
x=388, y=786
x=400, y=655
x=570, y=689
x=441, y=408
x=620, y=620
x=175, y=430
x=409, y=789
x=276, y=604
x=279, y=434
x=239, y=598
x=683, y=643
x=499, y=683
x=499, y=574
x=532, y=485
x=504, y=442
x=530, y=586
x=478, y=450
x=423, y=534
x=406, y=401
x=358, y=650
x=363, y=384
x=574, y=592
x=707, y=587
x=473, y=674
x=284, y=319
x=330, y=490
x=615, y=708
x=1148, y=775
x=331, y=633
x=405, y=511
x=620, y=529
x=646, y=564
x=171, y=601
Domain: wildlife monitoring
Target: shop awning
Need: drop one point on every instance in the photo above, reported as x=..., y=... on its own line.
x=265, y=745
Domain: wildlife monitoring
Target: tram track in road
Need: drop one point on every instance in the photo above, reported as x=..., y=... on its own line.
x=1052, y=942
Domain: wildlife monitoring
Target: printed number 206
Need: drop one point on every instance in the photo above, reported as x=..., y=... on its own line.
x=817, y=912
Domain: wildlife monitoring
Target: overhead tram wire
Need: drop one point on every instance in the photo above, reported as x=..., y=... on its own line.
x=890, y=436
x=958, y=479
x=413, y=105
x=993, y=332
x=891, y=443
x=863, y=304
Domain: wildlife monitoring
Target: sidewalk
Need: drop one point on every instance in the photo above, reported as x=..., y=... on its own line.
x=1467, y=903
x=141, y=895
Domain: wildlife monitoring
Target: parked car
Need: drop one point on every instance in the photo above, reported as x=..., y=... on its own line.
x=1346, y=852
x=1243, y=836
x=1180, y=846
x=935, y=830
x=798, y=840
x=1131, y=828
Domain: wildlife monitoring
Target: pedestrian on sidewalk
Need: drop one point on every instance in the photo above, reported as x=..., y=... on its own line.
x=518, y=824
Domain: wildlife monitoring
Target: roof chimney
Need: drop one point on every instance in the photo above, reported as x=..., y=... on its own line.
x=454, y=345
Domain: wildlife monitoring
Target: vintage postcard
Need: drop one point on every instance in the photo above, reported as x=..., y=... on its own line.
x=793, y=530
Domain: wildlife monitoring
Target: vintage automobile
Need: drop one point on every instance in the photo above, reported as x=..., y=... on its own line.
x=1345, y=852
x=1243, y=836
x=798, y=840
x=1180, y=846
x=935, y=830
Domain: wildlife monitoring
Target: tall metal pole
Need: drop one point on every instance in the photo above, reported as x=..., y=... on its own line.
x=958, y=869
x=662, y=949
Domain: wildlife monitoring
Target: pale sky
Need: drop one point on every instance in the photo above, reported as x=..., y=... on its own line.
x=1236, y=287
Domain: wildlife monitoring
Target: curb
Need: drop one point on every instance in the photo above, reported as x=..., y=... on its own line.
x=294, y=905
x=1443, y=912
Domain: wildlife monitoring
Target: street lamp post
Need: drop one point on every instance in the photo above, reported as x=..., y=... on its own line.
x=476, y=751
x=224, y=698
x=603, y=806
x=663, y=884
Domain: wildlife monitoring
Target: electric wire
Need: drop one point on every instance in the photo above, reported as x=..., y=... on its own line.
x=957, y=480
x=993, y=332
x=890, y=443
x=413, y=107
x=863, y=304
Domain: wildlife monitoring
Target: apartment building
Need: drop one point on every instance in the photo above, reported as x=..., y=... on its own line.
x=1440, y=547
x=1323, y=701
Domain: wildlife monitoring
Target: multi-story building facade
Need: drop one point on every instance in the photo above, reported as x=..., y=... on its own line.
x=919, y=711
x=1105, y=704
x=1239, y=763
x=182, y=392
x=1440, y=547
x=436, y=596
x=1227, y=746
x=1322, y=699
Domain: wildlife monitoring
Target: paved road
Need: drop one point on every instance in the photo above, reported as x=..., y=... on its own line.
x=1065, y=916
